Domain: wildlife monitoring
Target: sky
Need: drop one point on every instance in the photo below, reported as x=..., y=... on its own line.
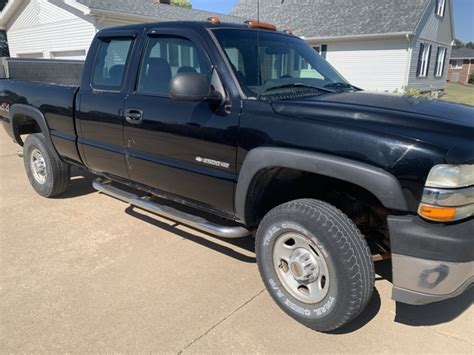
x=463, y=14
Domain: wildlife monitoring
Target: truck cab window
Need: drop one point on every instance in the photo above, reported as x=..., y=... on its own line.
x=164, y=58
x=110, y=63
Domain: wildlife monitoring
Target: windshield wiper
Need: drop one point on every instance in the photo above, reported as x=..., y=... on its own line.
x=341, y=85
x=299, y=85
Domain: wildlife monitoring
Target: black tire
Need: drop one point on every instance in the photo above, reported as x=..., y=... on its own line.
x=57, y=173
x=346, y=256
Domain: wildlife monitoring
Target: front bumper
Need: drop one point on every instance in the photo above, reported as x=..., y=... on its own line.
x=430, y=261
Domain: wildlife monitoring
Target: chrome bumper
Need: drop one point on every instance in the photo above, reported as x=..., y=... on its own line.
x=420, y=281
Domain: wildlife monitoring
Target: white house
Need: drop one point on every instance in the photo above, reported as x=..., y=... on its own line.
x=375, y=44
x=64, y=29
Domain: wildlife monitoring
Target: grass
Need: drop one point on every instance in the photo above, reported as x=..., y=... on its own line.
x=459, y=93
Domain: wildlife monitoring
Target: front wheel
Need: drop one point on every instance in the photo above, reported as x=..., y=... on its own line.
x=48, y=175
x=315, y=263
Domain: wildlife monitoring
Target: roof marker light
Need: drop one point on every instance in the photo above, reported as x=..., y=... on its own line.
x=261, y=25
x=214, y=19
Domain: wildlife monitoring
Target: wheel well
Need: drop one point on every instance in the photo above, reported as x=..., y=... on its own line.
x=24, y=124
x=274, y=186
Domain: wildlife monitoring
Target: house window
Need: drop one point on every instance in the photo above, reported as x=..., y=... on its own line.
x=78, y=54
x=440, y=7
x=30, y=55
x=440, y=58
x=456, y=64
x=424, y=60
x=322, y=50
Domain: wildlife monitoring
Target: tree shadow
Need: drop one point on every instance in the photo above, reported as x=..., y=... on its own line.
x=246, y=243
x=434, y=313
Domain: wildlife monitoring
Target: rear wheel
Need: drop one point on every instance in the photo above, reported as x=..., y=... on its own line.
x=48, y=175
x=315, y=263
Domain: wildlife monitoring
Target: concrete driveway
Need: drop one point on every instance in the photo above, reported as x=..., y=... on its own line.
x=87, y=273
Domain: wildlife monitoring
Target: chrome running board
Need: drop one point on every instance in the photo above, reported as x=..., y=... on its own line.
x=197, y=222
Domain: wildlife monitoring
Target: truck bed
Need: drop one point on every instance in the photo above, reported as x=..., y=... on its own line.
x=55, y=102
x=54, y=71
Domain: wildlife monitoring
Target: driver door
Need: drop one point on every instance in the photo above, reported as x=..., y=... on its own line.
x=187, y=149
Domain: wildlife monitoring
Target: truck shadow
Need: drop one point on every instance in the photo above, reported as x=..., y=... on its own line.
x=362, y=319
x=430, y=314
x=246, y=243
x=80, y=185
x=434, y=313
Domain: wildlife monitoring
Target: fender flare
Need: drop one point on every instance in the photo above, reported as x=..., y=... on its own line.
x=35, y=114
x=380, y=183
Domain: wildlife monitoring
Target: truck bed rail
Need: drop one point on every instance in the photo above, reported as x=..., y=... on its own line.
x=64, y=72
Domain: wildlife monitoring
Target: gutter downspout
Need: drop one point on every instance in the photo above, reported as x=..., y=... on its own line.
x=408, y=37
x=98, y=21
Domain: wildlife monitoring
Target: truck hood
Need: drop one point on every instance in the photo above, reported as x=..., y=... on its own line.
x=432, y=109
x=446, y=125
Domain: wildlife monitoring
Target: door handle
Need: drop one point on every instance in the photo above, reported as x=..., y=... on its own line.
x=134, y=116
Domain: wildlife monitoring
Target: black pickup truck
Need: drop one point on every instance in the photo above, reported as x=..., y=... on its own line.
x=240, y=130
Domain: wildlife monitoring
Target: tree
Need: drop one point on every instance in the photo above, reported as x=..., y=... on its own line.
x=3, y=45
x=458, y=44
x=469, y=45
x=182, y=3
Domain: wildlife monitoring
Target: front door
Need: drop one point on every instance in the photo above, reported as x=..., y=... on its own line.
x=187, y=149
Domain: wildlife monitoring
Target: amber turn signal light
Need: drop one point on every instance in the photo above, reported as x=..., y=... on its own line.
x=437, y=213
x=261, y=25
x=214, y=19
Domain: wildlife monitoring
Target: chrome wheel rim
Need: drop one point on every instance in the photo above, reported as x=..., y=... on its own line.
x=38, y=166
x=301, y=267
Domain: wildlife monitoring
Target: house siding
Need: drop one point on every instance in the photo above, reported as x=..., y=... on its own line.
x=42, y=27
x=436, y=28
x=430, y=82
x=379, y=65
x=436, y=31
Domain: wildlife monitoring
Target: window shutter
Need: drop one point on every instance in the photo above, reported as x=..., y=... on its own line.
x=437, y=62
x=428, y=60
x=444, y=61
x=420, y=55
x=324, y=49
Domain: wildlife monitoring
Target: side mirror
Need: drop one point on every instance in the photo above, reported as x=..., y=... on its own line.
x=193, y=87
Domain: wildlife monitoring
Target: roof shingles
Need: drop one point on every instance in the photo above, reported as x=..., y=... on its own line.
x=462, y=53
x=334, y=18
x=154, y=10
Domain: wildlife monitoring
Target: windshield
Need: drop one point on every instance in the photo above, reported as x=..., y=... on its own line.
x=286, y=64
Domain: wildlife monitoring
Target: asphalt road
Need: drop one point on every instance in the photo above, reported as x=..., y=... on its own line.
x=87, y=273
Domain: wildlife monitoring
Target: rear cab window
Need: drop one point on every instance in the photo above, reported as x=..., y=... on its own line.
x=110, y=63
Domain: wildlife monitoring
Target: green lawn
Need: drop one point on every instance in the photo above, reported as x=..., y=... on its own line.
x=459, y=93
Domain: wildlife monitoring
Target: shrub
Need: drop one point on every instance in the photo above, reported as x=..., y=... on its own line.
x=471, y=79
x=411, y=91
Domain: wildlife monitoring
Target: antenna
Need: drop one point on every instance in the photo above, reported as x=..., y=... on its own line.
x=258, y=52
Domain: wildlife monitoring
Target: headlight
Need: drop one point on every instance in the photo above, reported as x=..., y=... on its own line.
x=448, y=194
x=451, y=176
